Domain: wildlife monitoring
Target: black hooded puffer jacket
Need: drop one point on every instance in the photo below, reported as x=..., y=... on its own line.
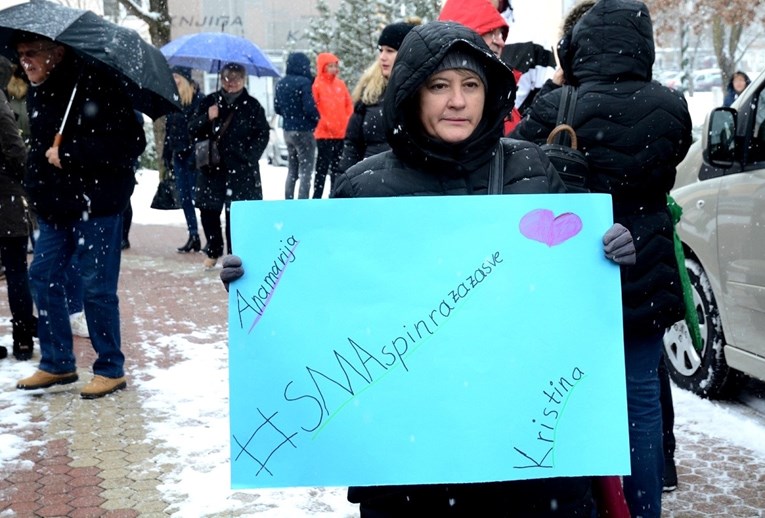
x=634, y=132
x=419, y=165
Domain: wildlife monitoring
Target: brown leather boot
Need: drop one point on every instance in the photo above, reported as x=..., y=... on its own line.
x=41, y=379
x=100, y=386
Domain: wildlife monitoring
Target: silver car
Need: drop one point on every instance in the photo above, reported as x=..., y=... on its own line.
x=276, y=152
x=721, y=188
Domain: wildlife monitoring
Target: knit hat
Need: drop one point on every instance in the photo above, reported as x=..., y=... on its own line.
x=182, y=71
x=393, y=34
x=456, y=59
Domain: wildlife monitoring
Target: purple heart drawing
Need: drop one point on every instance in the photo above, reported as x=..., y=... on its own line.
x=541, y=225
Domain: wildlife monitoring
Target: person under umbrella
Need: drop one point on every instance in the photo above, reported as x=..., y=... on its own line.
x=238, y=122
x=78, y=188
x=179, y=153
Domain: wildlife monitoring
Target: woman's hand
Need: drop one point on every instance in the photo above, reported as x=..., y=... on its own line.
x=617, y=245
x=557, y=77
x=232, y=269
x=213, y=112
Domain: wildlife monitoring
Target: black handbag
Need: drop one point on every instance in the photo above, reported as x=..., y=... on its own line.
x=206, y=152
x=166, y=197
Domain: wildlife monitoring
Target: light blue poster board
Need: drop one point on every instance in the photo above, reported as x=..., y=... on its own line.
x=425, y=340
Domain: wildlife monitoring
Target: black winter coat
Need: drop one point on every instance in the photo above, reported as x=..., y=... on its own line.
x=293, y=95
x=364, y=136
x=177, y=135
x=102, y=140
x=241, y=146
x=13, y=156
x=418, y=165
x=634, y=132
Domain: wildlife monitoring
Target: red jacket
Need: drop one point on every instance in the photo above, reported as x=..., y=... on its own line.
x=333, y=100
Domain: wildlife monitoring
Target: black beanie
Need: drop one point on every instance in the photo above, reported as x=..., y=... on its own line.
x=182, y=71
x=393, y=34
x=458, y=59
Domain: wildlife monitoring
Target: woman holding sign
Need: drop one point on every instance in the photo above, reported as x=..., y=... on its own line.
x=443, y=113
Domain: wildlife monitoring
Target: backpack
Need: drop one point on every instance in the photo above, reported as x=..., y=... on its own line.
x=561, y=147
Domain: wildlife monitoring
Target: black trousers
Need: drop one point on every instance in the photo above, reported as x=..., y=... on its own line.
x=327, y=160
x=569, y=497
x=127, y=220
x=213, y=233
x=13, y=254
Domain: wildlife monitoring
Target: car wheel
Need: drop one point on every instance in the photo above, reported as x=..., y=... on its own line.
x=706, y=373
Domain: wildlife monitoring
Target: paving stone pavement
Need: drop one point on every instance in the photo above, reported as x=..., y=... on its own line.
x=93, y=458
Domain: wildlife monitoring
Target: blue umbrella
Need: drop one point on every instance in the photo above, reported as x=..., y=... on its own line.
x=209, y=51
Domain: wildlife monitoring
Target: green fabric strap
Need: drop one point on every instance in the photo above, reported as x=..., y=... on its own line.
x=691, y=317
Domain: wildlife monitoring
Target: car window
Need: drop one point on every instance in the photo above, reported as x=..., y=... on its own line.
x=756, y=153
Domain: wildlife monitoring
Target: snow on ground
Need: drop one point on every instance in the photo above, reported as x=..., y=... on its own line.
x=201, y=483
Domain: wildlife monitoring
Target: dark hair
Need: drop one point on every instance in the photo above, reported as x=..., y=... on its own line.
x=576, y=12
x=235, y=68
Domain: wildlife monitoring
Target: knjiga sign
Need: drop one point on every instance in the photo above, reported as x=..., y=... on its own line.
x=425, y=340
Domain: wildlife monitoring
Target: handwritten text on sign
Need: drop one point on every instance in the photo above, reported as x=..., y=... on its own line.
x=425, y=340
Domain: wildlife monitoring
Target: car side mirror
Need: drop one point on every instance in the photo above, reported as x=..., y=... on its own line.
x=720, y=138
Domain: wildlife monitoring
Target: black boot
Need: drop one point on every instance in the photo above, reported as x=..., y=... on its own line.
x=22, y=339
x=193, y=243
x=3, y=352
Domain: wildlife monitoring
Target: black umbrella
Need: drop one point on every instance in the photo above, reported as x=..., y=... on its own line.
x=140, y=66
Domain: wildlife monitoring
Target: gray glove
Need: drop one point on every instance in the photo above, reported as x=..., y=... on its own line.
x=617, y=245
x=232, y=269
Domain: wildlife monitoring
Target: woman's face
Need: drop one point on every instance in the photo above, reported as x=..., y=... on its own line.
x=451, y=104
x=386, y=59
x=231, y=81
x=739, y=83
x=179, y=79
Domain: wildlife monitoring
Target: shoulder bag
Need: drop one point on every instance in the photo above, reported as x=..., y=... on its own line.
x=561, y=147
x=497, y=170
x=206, y=151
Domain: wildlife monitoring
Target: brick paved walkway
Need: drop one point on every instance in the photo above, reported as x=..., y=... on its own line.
x=93, y=458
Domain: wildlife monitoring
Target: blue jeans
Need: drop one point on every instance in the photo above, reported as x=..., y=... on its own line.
x=642, y=489
x=185, y=171
x=97, y=245
x=301, y=150
x=73, y=286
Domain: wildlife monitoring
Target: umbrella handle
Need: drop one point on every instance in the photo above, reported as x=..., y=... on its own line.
x=57, y=140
